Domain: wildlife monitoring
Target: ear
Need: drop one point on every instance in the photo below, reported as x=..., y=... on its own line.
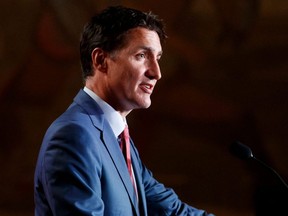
x=99, y=60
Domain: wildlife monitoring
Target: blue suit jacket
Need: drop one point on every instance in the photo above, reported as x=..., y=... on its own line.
x=81, y=171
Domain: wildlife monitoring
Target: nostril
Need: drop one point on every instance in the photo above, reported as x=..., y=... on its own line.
x=149, y=75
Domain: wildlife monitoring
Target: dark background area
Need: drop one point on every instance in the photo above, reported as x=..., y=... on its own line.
x=224, y=77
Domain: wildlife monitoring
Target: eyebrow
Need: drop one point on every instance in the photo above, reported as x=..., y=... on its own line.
x=150, y=49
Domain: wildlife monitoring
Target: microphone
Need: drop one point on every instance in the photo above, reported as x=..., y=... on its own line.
x=244, y=152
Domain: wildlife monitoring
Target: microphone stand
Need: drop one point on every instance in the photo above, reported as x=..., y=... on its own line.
x=244, y=152
x=272, y=170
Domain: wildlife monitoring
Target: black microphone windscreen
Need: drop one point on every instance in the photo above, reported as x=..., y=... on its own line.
x=240, y=150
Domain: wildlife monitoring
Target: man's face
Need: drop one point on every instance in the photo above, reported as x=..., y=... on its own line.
x=132, y=72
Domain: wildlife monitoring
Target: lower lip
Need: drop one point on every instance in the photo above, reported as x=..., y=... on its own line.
x=146, y=90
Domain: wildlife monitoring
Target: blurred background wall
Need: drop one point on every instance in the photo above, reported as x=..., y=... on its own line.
x=225, y=77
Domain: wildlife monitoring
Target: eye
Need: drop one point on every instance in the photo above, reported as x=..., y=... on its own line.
x=141, y=56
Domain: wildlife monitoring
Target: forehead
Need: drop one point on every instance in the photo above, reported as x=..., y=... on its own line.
x=142, y=37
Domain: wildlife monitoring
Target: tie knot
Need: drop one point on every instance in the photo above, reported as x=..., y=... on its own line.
x=125, y=132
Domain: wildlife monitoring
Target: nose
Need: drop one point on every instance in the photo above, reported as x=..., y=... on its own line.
x=154, y=71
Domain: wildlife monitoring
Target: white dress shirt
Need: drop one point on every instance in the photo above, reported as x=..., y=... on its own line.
x=116, y=121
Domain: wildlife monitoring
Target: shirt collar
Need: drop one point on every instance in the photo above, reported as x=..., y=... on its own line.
x=116, y=121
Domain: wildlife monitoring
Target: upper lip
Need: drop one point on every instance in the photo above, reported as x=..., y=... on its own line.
x=150, y=85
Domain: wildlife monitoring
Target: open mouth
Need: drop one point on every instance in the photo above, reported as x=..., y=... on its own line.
x=147, y=88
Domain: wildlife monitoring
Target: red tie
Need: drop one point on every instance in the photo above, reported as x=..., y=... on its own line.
x=125, y=146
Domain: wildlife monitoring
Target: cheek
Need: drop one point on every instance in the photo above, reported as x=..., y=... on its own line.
x=132, y=78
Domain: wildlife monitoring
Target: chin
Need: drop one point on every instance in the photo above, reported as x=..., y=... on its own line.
x=140, y=103
x=144, y=105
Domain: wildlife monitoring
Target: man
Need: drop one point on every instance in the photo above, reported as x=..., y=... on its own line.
x=81, y=169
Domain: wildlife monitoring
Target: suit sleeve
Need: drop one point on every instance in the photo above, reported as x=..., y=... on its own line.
x=71, y=172
x=162, y=201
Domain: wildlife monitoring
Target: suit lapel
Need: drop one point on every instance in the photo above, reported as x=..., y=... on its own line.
x=138, y=178
x=110, y=142
x=115, y=153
